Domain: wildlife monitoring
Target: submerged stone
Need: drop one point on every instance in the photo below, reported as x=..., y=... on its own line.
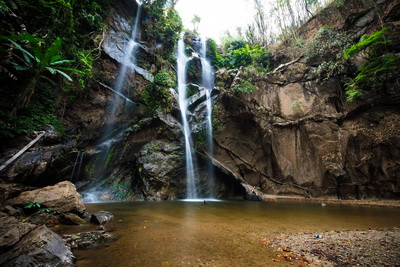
x=101, y=217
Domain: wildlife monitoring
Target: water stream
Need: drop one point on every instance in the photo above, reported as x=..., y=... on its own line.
x=110, y=133
x=208, y=83
x=182, y=60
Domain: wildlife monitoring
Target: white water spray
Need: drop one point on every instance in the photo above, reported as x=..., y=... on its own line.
x=109, y=136
x=208, y=83
x=182, y=60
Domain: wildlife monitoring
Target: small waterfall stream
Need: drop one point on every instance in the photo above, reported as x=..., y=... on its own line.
x=129, y=58
x=110, y=134
x=182, y=60
x=207, y=81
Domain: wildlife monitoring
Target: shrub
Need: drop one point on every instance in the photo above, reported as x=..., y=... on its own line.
x=156, y=97
x=164, y=78
x=245, y=86
x=327, y=45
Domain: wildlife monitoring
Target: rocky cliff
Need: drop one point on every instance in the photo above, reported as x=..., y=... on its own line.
x=297, y=135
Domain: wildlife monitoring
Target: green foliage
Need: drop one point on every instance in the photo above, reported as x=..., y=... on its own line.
x=38, y=207
x=327, y=45
x=212, y=54
x=238, y=53
x=30, y=61
x=156, y=97
x=32, y=205
x=162, y=27
x=201, y=139
x=3, y=7
x=379, y=69
x=217, y=124
x=329, y=69
x=373, y=75
x=36, y=60
x=163, y=78
x=374, y=40
x=339, y=3
x=245, y=86
x=39, y=112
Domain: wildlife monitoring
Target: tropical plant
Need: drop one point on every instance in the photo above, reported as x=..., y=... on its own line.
x=38, y=207
x=245, y=86
x=36, y=60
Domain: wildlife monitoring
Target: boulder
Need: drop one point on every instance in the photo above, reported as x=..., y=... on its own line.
x=102, y=217
x=40, y=247
x=61, y=197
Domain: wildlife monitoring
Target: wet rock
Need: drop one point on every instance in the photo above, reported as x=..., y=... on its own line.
x=61, y=197
x=101, y=217
x=86, y=240
x=71, y=219
x=40, y=247
x=252, y=193
x=46, y=158
x=160, y=165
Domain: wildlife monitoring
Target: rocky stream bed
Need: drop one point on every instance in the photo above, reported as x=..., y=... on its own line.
x=339, y=248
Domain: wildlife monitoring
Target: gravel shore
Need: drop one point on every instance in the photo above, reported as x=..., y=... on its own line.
x=339, y=248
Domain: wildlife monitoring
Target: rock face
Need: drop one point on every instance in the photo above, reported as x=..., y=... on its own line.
x=61, y=197
x=46, y=158
x=12, y=231
x=296, y=135
x=290, y=137
x=24, y=244
x=159, y=162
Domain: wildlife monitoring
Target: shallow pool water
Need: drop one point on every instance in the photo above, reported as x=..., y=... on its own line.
x=225, y=233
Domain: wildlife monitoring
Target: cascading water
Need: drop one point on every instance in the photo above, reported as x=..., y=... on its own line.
x=129, y=58
x=110, y=137
x=77, y=166
x=182, y=60
x=207, y=82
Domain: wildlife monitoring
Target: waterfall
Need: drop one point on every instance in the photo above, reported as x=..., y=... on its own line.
x=182, y=60
x=207, y=82
x=110, y=135
x=77, y=166
x=129, y=58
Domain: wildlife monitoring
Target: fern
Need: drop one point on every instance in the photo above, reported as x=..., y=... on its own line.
x=365, y=42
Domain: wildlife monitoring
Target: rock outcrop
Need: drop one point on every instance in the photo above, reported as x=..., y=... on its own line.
x=46, y=158
x=61, y=197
